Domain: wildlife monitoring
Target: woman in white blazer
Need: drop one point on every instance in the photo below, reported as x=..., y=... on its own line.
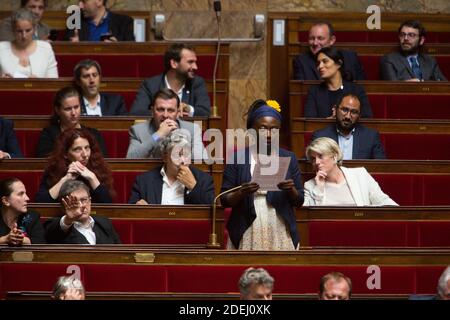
x=335, y=185
x=24, y=57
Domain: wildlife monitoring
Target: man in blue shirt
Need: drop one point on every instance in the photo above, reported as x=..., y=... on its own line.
x=100, y=24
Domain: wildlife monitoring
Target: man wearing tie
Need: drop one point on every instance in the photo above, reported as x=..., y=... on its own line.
x=409, y=63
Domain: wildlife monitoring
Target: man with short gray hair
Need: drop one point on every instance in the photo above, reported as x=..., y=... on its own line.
x=77, y=226
x=256, y=284
x=443, y=289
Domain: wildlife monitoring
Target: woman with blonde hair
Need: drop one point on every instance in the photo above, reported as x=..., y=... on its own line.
x=335, y=185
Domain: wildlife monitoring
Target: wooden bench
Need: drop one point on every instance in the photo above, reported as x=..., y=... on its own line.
x=407, y=182
x=139, y=60
x=114, y=131
x=427, y=136
x=149, y=269
x=318, y=226
x=389, y=100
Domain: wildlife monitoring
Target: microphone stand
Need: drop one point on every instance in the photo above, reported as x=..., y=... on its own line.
x=212, y=243
x=214, y=108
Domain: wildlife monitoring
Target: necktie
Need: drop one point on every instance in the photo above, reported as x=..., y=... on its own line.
x=415, y=67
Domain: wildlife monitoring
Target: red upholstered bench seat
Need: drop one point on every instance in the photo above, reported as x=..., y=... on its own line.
x=214, y=279
x=375, y=36
x=406, y=106
x=379, y=233
x=410, y=146
x=127, y=65
x=116, y=142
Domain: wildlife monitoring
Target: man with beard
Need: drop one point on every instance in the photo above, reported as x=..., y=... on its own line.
x=409, y=63
x=321, y=35
x=37, y=7
x=100, y=24
x=87, y=77
x=180, y=63
x=355, y=140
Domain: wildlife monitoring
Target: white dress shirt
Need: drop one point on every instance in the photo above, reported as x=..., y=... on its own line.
x=172, y=194
x=180, y=96
x=87, y=230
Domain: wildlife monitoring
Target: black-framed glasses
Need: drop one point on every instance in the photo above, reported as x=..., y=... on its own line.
x=409, y=35
x=85, y=200
x=346, y=110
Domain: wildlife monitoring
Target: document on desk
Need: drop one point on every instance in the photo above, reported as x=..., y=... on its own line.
x=270, y=171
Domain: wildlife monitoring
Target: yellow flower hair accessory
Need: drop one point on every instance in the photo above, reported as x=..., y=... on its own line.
x=274, y=104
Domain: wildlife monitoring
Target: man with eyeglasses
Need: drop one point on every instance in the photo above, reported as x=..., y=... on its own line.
x=77, y=226
x=320, y=35
x=409, y=63
x=355, y=140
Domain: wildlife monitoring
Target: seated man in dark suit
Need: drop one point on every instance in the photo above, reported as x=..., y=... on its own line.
x=355, y=140
x=77, y=226
x=176, y=182
x=409, y=63
x=87, y=77
x=9, y=147
x=180, y=63
x=321, y=34
x=100, y=24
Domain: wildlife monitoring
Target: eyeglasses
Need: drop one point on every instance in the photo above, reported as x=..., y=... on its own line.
x=409, y=35
x=84, y=200
x=346, y=110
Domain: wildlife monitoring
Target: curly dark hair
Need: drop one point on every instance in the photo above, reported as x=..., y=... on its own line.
x=58, y=163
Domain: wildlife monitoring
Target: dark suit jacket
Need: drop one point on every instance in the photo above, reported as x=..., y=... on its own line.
x=244, y=214
x=395, y=66
x=111, y=105
x=50, y=134
x=194, y=94
x=30, y=223
x=103, y=229
x=99, y=195
x=366, y=141
x=121, y=27
x=305, y=66
x=8, y=139
x=318, y=104
x=149, y=185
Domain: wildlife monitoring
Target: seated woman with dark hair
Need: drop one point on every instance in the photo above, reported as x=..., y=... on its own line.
x=322, y=98
x=176, y=182
x=77, y=156
x=66, y=115
x=262, y=220
x=18, y=226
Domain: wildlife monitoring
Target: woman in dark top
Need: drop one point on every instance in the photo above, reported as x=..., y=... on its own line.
x=66, y=115
x=18, y=226
x=322, y=98
x=76, y=156
x=262, y=219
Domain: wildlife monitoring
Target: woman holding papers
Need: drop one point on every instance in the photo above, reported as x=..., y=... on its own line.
x=335, y=185
x=262, y=219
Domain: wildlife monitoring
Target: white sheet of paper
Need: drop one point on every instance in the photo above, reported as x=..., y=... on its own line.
x=19, y=75
x=269, y=174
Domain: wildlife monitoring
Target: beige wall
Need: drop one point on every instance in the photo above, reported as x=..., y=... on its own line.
x=195, y=18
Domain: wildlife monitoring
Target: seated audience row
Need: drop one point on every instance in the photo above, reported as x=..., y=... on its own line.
x=408, y=64
x=98, y=23
x=261, y=219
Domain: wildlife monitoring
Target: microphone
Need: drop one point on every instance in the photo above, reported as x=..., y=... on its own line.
x=217, y=7
x=212, y=243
